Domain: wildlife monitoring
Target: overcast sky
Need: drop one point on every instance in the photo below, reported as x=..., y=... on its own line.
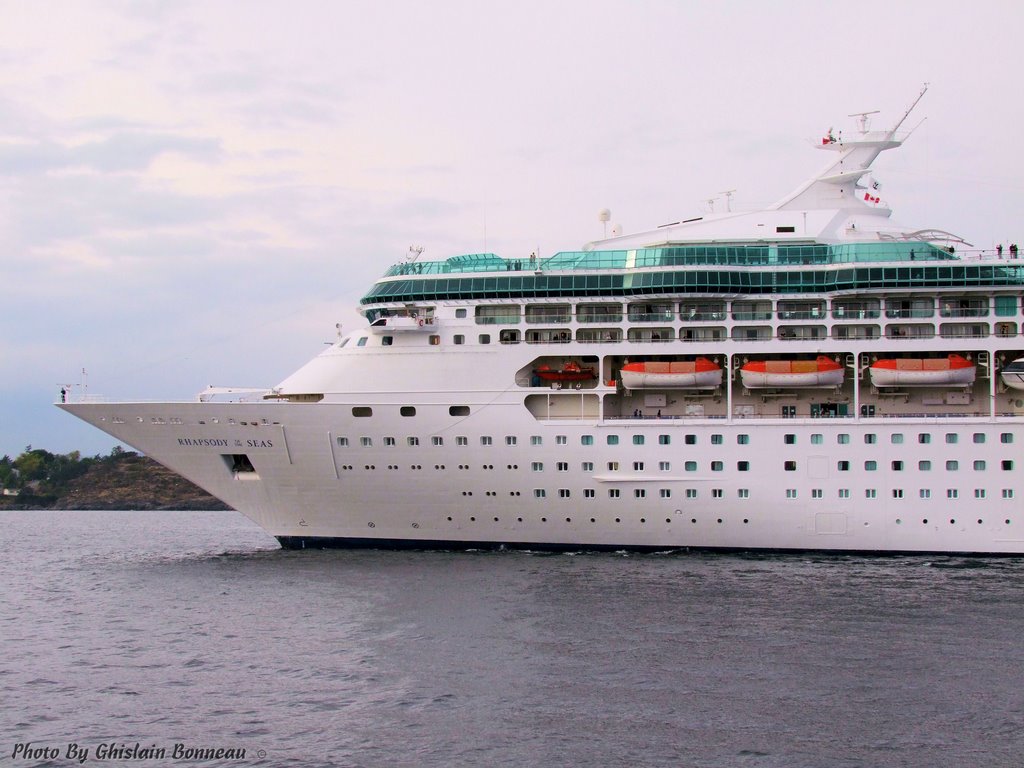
x=195, y=193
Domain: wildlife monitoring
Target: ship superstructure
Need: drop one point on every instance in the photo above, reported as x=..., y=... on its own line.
x=811, y=376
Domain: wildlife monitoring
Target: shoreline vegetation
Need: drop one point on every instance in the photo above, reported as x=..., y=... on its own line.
x=121, y=480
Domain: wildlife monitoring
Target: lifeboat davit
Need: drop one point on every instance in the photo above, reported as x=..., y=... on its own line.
x=571, y=371
x=949, y=371
x=820, y=373
x=696, y=374
x=1013, y=374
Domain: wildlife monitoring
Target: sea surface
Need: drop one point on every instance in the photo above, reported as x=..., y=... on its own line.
x=195, y=629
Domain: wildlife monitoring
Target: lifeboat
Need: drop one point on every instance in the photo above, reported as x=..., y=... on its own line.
x=1013, y=374
x=949, y=371
x=571, y=371
x=696, y=374
x=820, y=373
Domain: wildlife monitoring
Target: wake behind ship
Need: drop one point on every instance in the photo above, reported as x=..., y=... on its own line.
x=811, y=376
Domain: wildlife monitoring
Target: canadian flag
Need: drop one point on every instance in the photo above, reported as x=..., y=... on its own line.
x=869, y=198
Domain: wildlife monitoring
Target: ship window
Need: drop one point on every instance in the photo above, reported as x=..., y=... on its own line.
x=896, y=438
x=664, y=466
x=717, y=466
x=979, y=437
x=587, y=466
x=435, y=440
x=924, y=465
x=690, y=439
x=843, y=466
x=510, y=440
x=389, y=441
x=816, y=493
x=362, y=412
x=742, y=439
x=563, y=493
x=536, y=440
x=691, y=493
x=638, y=439
x=791, y=493
x=1006, y=437
x=342, y=442
x=613, y=439
x=717, y=439
x=459, y=339
x=665, y=493
x=1007, y=465
x=785, y=229
x=979, y=493
x=639, y=493
x=613, y=493
x=486, y=440
x=1007, y=493
x=716, y=493
x=362, y=341
x=561, y=440
x=613, y=466
x=638, y=466
x=870, y=493
x=952, y=465
x=924, y=437
x=664, y=439
x=870, y=439
x=1006, y=306
x=897, y=466
x=563, y=466
x=844, y=493
x=979, y=465
x=387, y=341
x=537, y=466
x=952, y=493
x=870, y=465
x=789, y=439
x=690, y=466
x=461, y=440
x=412, y=441
x=458, y=410
x=588, y=493
x=817, y=439
x=539, y=493
x=897, y=493
x=843, y=438
x=460, y=312
x=789, y=466
x=485, y=338
x=587, y=440
x=366, y=442
x=742, y=466
x=407, y=410
x=925, y=493
x=952, y=437
x=435, y=340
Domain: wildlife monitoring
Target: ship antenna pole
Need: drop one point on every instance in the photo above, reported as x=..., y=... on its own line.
x=910, y=109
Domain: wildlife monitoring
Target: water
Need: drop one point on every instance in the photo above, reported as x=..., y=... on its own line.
x=194, y=628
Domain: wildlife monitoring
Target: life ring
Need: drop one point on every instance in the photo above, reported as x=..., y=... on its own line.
x=421, y=322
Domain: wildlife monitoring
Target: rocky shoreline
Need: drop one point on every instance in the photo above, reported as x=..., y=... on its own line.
x=131, y=483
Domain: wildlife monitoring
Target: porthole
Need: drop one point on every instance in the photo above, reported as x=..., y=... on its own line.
x=543, y=519
x=495, y=519
x=719, y=521
x=745, y=521
x=643, y=519
x=925, y=521
x=371, y=525
x=693, y=520
x=568, y=519
x=472, y=519
x=668, y=519
x=593, y=520
x=617, y=520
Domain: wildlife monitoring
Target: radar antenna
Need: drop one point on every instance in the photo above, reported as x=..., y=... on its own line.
x=862, y=119
x=414, y=252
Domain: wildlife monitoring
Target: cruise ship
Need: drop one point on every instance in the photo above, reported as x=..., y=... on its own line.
x=812, y=376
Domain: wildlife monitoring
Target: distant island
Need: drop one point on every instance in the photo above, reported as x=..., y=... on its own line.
x=38, y=479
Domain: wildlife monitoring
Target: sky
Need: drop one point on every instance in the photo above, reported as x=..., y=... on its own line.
x=195, y=193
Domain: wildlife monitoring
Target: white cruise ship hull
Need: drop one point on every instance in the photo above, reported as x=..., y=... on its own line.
x=308, y=493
